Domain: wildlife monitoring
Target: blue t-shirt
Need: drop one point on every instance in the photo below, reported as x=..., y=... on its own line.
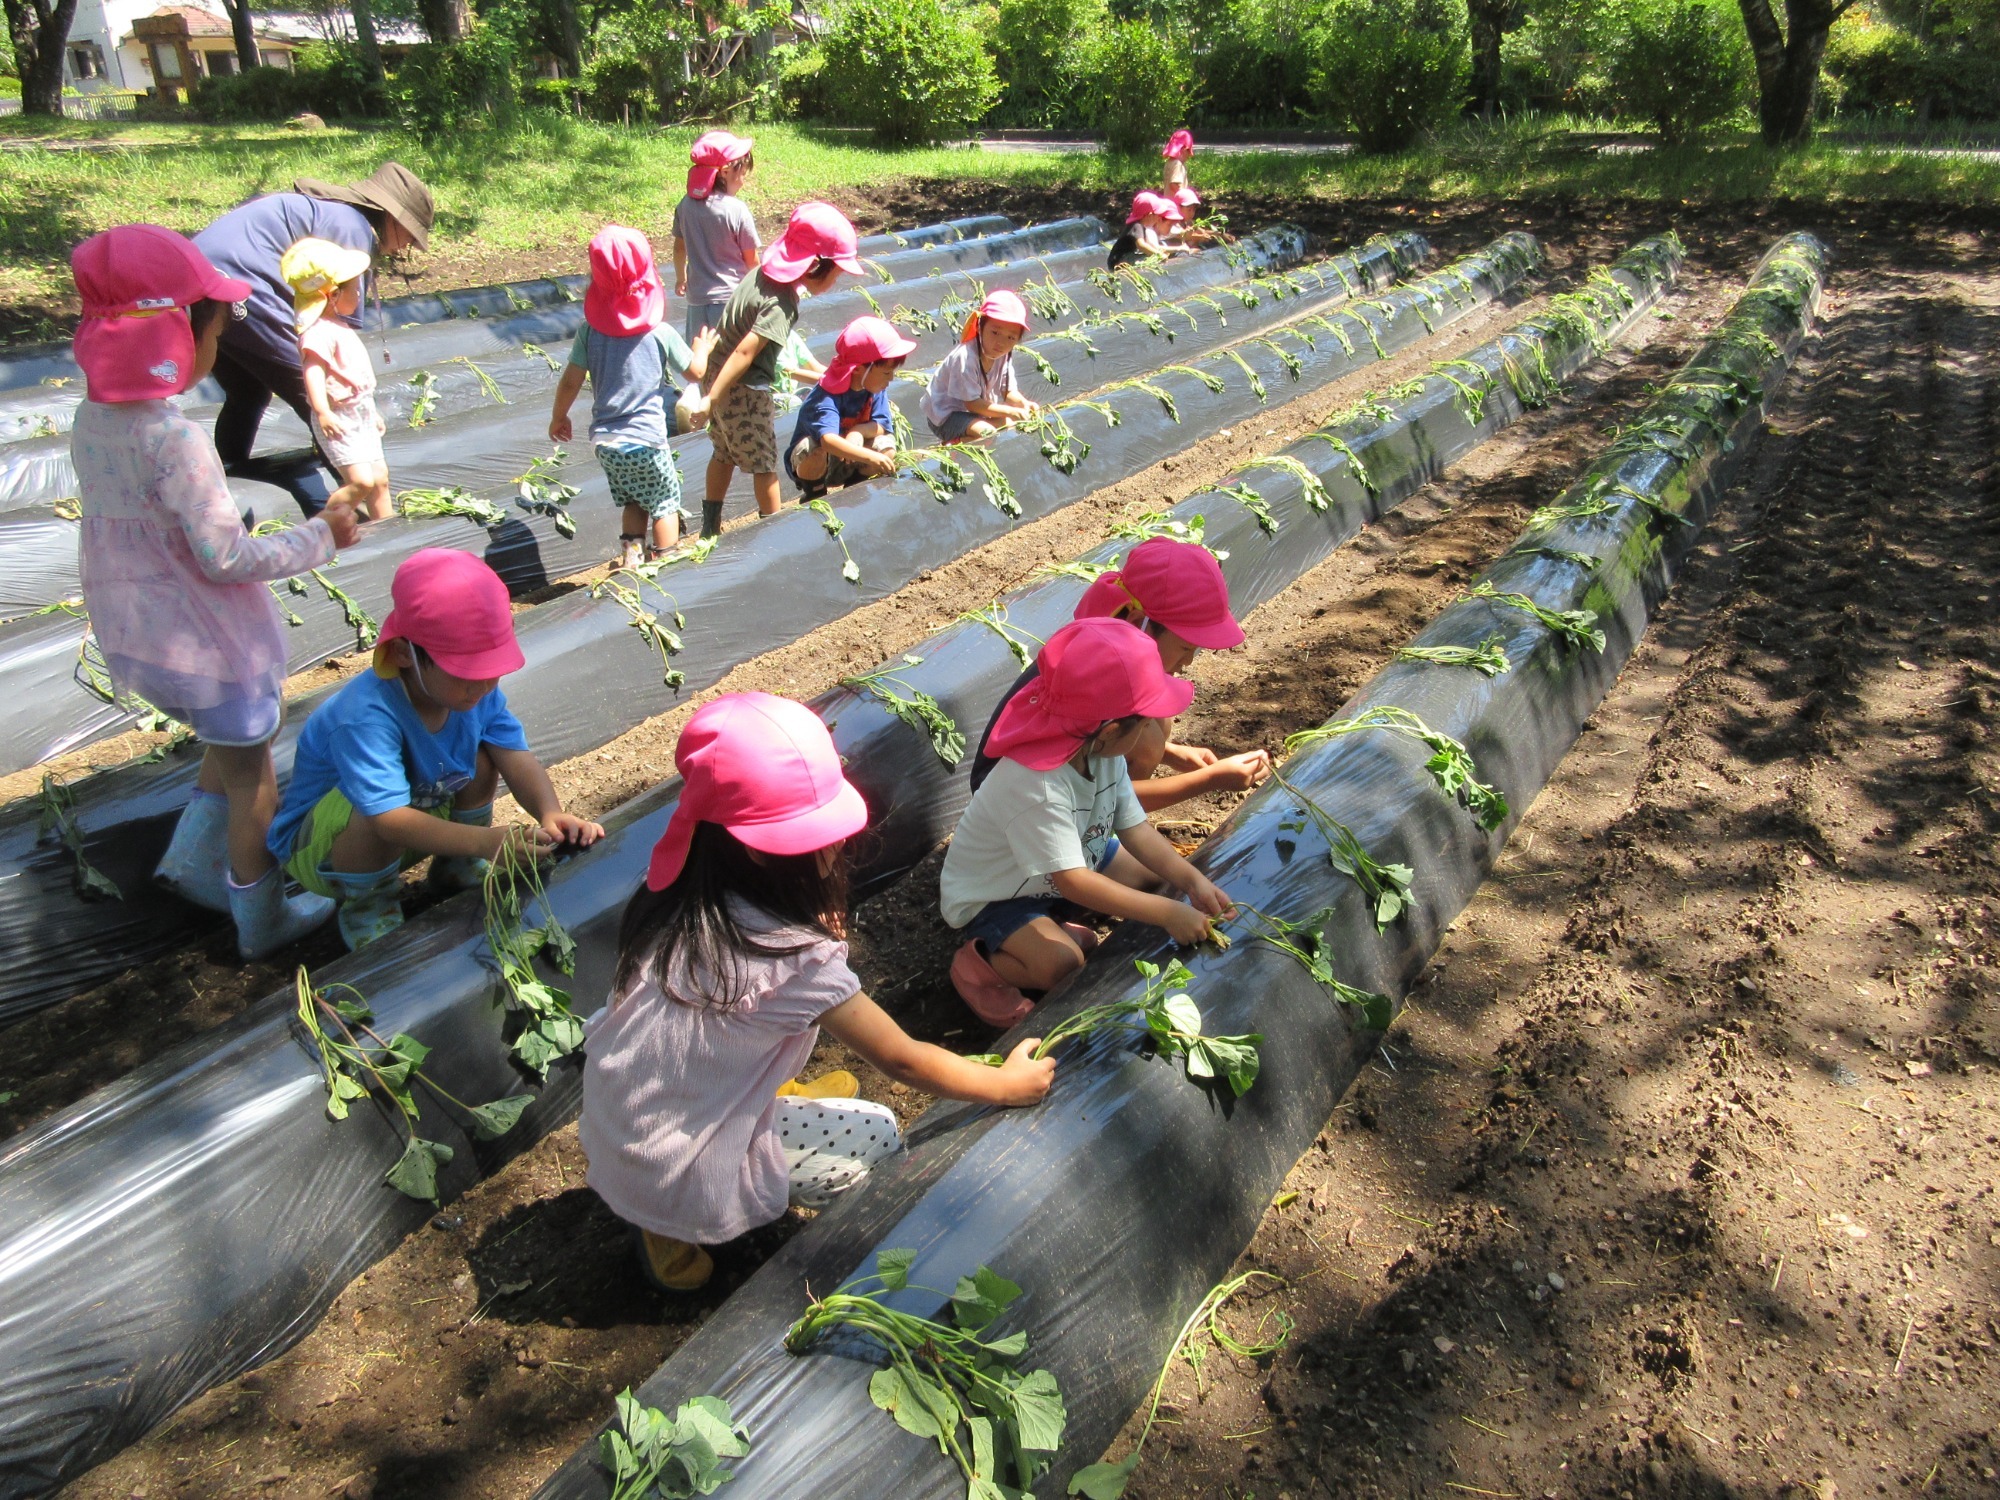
x=247, y=242
x=632, y=383
x=823, y=412
x=367, y=741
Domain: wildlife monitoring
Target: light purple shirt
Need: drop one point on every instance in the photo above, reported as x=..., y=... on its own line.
x=959, y=380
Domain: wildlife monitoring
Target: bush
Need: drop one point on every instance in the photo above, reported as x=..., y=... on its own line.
x=802, y=83
x=1871, y=68
x=1257, y=66
x=1682, y=64
x=447, y=86
x=914, y=70
x=1040, y=46
x=262, y=93
x=326, y=78
x=1392, y=69
x=1555, y=61
x=1138, y=83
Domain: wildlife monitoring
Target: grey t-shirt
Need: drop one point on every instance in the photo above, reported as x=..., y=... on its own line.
x=718, y=232
x=632, y=383
x=1024, y=826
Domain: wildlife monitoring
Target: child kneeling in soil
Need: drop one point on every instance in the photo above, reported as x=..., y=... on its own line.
x=737, y=404
x=730, y=960
x=1056, y=825
x=973, y=392
x=1153, y=217
x=175, y=587
x=325, y=279
x=634, y=362
x=1176, y=593
x=846, y=432
x=403, y=762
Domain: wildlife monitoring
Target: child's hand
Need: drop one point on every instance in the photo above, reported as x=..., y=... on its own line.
x=1186, y=924
x=566, y=828
x=561, y=430
x=1239, y=773
x=874, y=461
x=704, y=343
x=343, y=523
x=681, y=287
x=1207, y=897
x=381, y=426
x=697, y=413
x=524, y=841
x=1022, y=1079
x=331, y=425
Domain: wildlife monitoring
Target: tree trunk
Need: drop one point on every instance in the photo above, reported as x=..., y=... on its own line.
x=243, y=32
x=1491, y=20
x=364, y=40
x=446, y=20
x=569, y=37
x=1788, y=63
x=39, y=32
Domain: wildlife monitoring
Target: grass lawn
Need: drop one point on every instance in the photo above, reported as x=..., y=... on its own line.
x=537, y=192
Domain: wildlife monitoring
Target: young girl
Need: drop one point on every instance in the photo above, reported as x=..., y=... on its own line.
x=737, y=404
x=1152, y=216
x=633, y=361
x=1174, y=174
x=173, y=583
x=325, y=279
x=1038, y=835
x=973, y=392
x=1176, y=593
x=715, y=239
x=730, y=960
x=846, y=432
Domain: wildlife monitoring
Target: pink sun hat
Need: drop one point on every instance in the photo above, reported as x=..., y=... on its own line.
x=1186, y=196
x=816, y=231
x=1001, y=307
x=711, y=152
x=865, y=341
x=456, y=608
x=137, y=282
x=1091, y=672
x=625, y=297
x=1178, y=585
x=1179, y=146
x=1149, y=202
x=765, y=769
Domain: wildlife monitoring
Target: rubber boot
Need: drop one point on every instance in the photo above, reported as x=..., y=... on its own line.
x=674, y=1265
x=371, y=903
x=266, y=920
x=839, y=1084
x=463, y=872
x=195, y=864
x=993, y=999
x=711, y=518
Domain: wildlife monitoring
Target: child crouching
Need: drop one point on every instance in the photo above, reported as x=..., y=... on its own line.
x=1056, y=824
x=973, y=392
x=404, y=761
x=730, y=960
x=846, y=432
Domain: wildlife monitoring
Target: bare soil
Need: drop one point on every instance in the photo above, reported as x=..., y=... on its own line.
x=1640, y=1196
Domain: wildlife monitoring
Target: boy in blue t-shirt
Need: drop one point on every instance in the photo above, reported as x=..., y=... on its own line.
x=846, y=432
x=403, y=762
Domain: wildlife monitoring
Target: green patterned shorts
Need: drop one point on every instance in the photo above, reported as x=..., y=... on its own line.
x=645, y=477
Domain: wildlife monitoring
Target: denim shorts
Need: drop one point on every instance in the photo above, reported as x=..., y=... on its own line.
x=953, y=428
x=999, y=920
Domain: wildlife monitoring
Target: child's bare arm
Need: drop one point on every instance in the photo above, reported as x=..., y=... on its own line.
x=857, y=452
x=1146, y=844
x=867, y=1029
x=680, y=267
x=409, y=828
x=567, y=389
x=1100, y=893
x=1229, y=773
x=733, y=368
x=316, y=398
x=529, y=781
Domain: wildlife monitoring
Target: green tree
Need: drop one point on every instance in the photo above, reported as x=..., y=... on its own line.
x=1681, y=64
x=1392, y=69
x=1039, y=47
x=913, y=70
x=1138, y=84
x=1787, y=58
x=38, y=30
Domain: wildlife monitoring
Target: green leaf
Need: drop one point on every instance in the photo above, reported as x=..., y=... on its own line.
x=1105, y=1481
x=493, y=1120
x=980, y=1298
x=1011, y=1347
x=851, y=571
x=919, y=1404
x=1183, y=1012
x=1039, y=1416
x=710, y=1418
x=352, y=1010
x=536, y=1051
x=616, y=1455
x=893, y=1266
x=408, y=1048
x=564, y=1031
x=415, y=1175
x=982, y=1447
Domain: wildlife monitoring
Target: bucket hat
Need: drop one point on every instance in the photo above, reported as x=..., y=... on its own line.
x=863, y=342
x=455, y=607
x=1090, y=672
x=1002, y=307
x=312, y=268
x=136, y=283
x=391, y=188
x=816, y=231
x=712, y=151
x=1175, y=584
x=764, y=768
x=625, y=296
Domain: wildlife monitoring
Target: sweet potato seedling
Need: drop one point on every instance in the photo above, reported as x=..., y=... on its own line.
x=994, y=618
x=1387, y=887
x=913, y=706
x=673, y=1457
x=1305, y=941
x=1172, y=1022
x=1488, y=658
x=834, y=526
x=1576, y=627
x=58, y=816
x=549, y=1028
x=425, y=385
x=1450, y=765
x=540, y=493
x=449, y=500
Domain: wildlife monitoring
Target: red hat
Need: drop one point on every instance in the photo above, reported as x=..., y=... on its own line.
x=1179, y=146
x=816, y=231
x=456, y=608
x=863, y=342
x=1092, y=671
x=1149, y=202
x=999, y=307
x=765, y=769
x=712, y=151
x=1178, y=585
x=625, y=297
x=137, y=282
x=1186, y=196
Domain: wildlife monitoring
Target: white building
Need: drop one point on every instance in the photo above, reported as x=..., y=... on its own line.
x=139, y=45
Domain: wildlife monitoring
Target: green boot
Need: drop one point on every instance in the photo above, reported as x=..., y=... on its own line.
x=463, y=872
x=371, y=903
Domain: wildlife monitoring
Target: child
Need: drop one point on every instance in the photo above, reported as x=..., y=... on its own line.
x=1176, y=593
x=846, y=432
x=633, y=360
x=1153, y=214
x=325, y=279
x=404, y=760
x=730, y=960
x=799, y=372
x=173, y=584
x=1174, y=174
x=715, y=239
x=736, y=403
x=973, y=392
x=1038, y=834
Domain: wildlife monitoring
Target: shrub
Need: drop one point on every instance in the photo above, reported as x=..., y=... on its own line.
x=802, y=84
x=1138, y=83
x=1040, y=46
x=1257, y=64
x=1554, y=62
x=1682, y=64
x=447, y=86
x=262, y=93
x=913, y=70
x=326, y=78
x=1871, y=67
x=1391, y=69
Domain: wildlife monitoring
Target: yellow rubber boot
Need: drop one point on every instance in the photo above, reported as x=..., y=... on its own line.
x=839, y=1084
x=674, y=1265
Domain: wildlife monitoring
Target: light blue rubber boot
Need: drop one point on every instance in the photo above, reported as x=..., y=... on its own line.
x=463, y=872
x=195, y=864
x=371, y=903
x=266, y=920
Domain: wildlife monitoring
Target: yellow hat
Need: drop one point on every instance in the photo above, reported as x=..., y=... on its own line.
x=312, y=268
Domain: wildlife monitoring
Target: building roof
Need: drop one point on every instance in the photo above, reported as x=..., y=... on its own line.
x=199, y=22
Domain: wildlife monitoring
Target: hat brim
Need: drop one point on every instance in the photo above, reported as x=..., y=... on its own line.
x=366, y=194
x=494, y=662
x=1169, y=700
x=1209, y=635
x=842, y=817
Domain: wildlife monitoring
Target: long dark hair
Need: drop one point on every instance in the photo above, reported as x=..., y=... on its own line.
x=691, y=920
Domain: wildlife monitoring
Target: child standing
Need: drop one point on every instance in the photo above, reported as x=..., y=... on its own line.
x=1175, y=592
x=1038, y=835
x=730, y=960
x=846, y=431
x=173, y=584
x=1177, y=152
x=404, y=761
x=1153, y=215
x=973, y=392
x=715, y=239
x=634, y=362
x=736, y=404
x=325, y=279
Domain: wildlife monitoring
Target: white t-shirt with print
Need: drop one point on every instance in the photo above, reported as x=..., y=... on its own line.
x=1024, y=826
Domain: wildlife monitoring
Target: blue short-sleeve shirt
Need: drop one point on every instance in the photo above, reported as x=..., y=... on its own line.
x=822, y=412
